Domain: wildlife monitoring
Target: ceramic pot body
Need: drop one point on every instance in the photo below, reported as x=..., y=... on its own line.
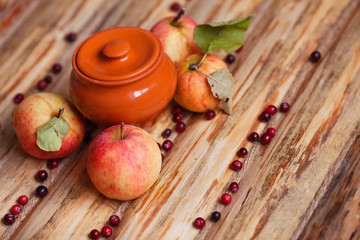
x=112, y=82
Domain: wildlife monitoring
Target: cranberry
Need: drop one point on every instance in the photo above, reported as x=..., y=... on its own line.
x=180, y=127
x=23, y=199
x=87, y=136
x=254, y=136
x=175, y=7
x=53, y=163
x=9, y=218
x=56, y=68
x=239, y=49
x=167, y=145
x=210, y=114
x=16, y=209
x=18, y=98
x=41, y=175
x=271, y=109
x=234, y=187
x=177, y=110
x=177, y=118
x=284, y=107
x=315, y=56
x=159, y=145
x=199, y=223
x=166, y=133
x=94, y=234
x=236, y=165
x=48, y=79
x=242, y=152
x=215, y=216
x=41, y=191
x=42, y=84
x=265, y=116
x=114, y=220
x=271, y=132
x=106, y=231
x=265, y=138
x=226, y=198
x=229, y=59
x=162, y=157
x=70, y=37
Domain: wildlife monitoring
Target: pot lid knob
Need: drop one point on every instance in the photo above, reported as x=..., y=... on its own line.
x=117, y=48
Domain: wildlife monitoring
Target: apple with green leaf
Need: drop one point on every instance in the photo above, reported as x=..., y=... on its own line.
x=176, y=36
x=204, y=81
x=48, y=126
x=123, y=162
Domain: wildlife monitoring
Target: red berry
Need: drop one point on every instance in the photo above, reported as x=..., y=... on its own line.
x=265, y=138
x=23, y=199
x=177, y=118
x=254, y=136
x=87, y=136
x=114, y=220
x=215, y=216
x=70, y=37
x=106, y=231
x=226, y=198
x=177, y=110
x=315, y=56
x=210, y=114
x=41, y=175
x=53, y=163
x=18, y=98
x=271, y=109
x=9, y=218
x=271, y=132
x=180, y=127
x=48, y=79
x=199, y=223
x=94, y=234
x=242, y=152
x=265, y=116
x=284, y=107
x=42, y=84
x=239, y=49
x=166, y=133
x=56, y=68
x=41, y=191
x=236, y=165
x=175, y=7
x=16, y=209
x=229, y=59
x=167, y=145
x=159, y=145
x=234, y=187
x=162, y=157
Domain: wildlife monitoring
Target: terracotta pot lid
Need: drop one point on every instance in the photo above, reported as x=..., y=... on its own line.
x=118, y=53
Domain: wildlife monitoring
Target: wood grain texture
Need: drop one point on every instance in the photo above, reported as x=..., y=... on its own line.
x=304, y=185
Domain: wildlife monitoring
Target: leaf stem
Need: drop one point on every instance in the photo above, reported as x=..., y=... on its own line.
x=122, y=131
x=178, y=16
x=211, y=77
x=61, y=111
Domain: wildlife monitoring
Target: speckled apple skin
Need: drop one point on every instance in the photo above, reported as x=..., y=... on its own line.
x=36, y=110
x=193, y=92
x=177, y=40
x=123, y=169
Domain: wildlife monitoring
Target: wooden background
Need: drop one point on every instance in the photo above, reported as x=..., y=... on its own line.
x=304, y=185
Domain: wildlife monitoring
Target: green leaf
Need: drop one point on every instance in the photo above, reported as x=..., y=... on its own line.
x=221, y=35
x=50, y=135
x=221, y=83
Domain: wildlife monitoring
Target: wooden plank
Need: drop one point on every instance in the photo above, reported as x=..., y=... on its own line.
x=285, y=187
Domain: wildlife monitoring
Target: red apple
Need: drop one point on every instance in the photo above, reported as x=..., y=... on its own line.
x=123, y=163
x=36, y=110
x=193, y=91
x=176, y=38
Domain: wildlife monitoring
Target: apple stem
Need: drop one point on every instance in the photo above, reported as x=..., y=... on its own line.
x=178, y=16
x=122, y=131
x=202, y=59
x=61, y=111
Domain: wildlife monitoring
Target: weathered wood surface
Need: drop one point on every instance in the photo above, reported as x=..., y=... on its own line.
x=304, y=185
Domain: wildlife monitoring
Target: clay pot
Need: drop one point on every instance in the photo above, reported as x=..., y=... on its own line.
x=121, y=74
